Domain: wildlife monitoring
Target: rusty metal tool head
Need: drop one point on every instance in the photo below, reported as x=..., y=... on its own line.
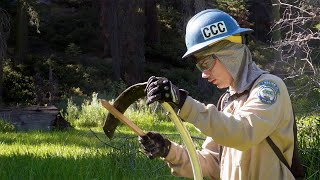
x=122, y=102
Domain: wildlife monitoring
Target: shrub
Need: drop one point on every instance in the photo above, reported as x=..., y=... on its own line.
x=113, y=88
x=309, y=143
x=72, y=112
x=6, y=127
x=17, y=87
x=90, y=114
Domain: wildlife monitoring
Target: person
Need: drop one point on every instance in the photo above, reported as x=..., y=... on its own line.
x=255, y=108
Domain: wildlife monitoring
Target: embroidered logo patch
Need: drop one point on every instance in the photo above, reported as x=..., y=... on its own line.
x=213, y=30
x=268, y=92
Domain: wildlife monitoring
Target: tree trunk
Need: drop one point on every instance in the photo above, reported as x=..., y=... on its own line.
x=199, y=5
x=2, y=52
x=187, y=12
x=132, y=29
x=127, y=28
x=4, y=34
x=22, y=32
x=105, y=24
x=115, y=38
x=152, y=23
x=260, y=16
x=1, y=77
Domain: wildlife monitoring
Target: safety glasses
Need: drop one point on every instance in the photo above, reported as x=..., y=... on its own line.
x=206, y=63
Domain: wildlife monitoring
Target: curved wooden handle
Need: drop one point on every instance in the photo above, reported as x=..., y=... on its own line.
x=122, y=118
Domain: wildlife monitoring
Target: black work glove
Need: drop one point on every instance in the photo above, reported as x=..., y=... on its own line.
x=154, y=145
x=161, y=89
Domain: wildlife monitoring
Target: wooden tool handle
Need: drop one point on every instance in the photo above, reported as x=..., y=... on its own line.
x=122, y=118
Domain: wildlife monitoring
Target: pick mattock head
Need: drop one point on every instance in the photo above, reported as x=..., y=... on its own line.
x=122, y=102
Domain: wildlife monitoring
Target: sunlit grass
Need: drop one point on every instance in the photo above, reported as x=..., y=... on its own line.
x=79, y=154
x=82, y=153
x=76, y=154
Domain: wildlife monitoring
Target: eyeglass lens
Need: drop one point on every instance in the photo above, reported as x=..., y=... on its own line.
x=206, y=63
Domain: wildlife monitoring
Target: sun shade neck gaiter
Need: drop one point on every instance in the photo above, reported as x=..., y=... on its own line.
x=238, y=61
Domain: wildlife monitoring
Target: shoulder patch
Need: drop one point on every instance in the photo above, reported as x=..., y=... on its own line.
x=268, y=92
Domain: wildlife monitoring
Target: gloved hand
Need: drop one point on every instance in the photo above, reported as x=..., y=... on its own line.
x=161, y=89
x=154, y=145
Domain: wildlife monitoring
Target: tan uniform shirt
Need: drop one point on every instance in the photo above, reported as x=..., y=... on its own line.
x=241, y=131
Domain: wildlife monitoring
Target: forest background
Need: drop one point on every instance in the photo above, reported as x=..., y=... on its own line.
x=53, y=52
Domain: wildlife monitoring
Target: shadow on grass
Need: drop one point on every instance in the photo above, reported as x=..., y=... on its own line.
x=71, y=137
x=101, y=167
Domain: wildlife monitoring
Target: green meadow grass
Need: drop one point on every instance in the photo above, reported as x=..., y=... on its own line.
x=75, y=154
x=84, y=153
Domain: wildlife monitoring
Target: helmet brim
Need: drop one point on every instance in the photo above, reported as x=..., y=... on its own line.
x=199, y=47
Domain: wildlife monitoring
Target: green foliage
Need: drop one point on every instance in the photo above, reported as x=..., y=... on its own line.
x=66, y=26
x=237, y=9
x=17, y=86
x=76, y=78
x=147, y=116
x=305, y=103
x=309, y=130
x=306, y=107
x=309, y=143
x=317, y=26
x=305, y=97
x=113, y=89
x=171, y=46
x=73, y=50
x=261, y=54
x=85, y=77
x=72, y=112
x=308, y=103
x=6, y=127
x=90, y=114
